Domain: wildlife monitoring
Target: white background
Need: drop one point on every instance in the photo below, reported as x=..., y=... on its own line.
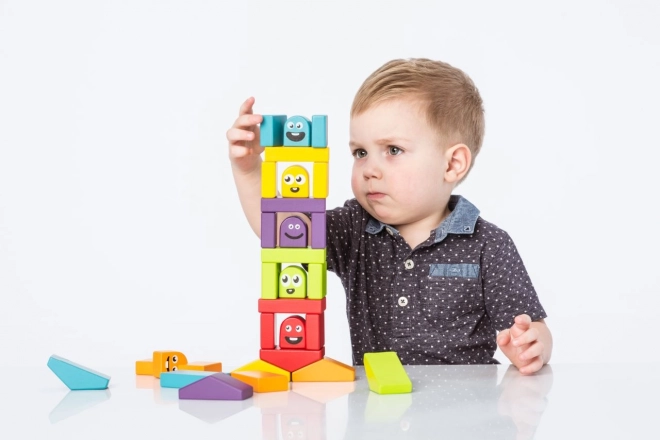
x=120, y=228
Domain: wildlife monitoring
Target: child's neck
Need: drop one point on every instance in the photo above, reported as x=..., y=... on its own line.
x=418, y=232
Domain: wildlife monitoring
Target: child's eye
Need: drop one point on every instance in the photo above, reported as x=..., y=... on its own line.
x=394, y=151
x=359, y=153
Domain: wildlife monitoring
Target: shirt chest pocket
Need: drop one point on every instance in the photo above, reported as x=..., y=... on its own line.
x=451, y=291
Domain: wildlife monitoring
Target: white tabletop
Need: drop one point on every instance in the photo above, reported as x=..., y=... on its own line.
x=563, y=401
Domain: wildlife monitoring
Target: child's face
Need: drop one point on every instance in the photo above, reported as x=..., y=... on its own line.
x=399, y=163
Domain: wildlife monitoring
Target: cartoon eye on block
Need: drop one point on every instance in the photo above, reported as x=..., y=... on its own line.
x=297, y=132
x=295, y=182
x=293, y=233
x=293, y=283
x=292, y=332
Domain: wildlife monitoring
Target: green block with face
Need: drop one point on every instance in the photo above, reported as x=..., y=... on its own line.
x=293, y=283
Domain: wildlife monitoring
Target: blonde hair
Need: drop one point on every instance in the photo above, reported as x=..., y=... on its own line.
x=449, y=98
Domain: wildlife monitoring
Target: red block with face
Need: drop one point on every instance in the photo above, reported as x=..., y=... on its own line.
x=292, y=332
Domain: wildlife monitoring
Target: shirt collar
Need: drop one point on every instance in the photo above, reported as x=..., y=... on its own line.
x=462, y=220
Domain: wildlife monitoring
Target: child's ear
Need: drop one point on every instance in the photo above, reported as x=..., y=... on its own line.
x=459, y=158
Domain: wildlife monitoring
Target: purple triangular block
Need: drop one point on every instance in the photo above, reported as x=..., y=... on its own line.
x=219, y=386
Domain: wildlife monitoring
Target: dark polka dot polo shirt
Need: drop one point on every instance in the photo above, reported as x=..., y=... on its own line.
x=441, y=303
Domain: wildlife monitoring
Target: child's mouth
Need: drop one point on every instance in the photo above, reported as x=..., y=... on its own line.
x=375, y=195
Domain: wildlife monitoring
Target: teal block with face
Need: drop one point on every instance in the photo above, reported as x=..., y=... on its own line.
x=297, y=132
x=293, y=283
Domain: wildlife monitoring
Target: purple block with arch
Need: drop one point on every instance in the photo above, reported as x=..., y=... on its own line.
x=268, y=229
x=219, y=386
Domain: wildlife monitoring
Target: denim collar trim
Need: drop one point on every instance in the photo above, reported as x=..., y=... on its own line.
x=462, y=220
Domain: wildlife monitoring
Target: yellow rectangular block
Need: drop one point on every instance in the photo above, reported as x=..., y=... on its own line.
x=385, y=373
x=321, y=181
x=144, y=367
x=268, y=180
x=293, y=255
x=297, y=154
x=202, y=366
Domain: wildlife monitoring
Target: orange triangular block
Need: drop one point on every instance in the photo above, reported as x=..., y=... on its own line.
x=325, y=370
x=263, y=381
x=260, y=365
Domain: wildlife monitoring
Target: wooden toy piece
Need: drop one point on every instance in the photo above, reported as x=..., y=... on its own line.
x=263, y=381
x=218, y=386
x=202, y=366
x=315, y=335
x=298, y=132
x=319, y=131
x=385, y=373
x=321, y=180
x=262, y=365
x=317, y=281
x=291, y=360
x=318, y=230
x=167, y=361
x=293, y=333
x=76, y=376
x=293, y=205
x=325, y=370
x=270, y=280
x=295, y=255
x=293, y=283
x=295, y=182
x=296, y=154
x=267, y=331
x=182, y=378
x=294, y=230
x=272, y=130
x=283, y=305
x=144, y=367
x=269, y=180
x=268, y=230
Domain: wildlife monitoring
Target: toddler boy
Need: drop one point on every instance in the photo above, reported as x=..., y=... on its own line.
x=424, y=274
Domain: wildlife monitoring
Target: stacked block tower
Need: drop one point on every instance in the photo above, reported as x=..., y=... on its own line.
x=294, y=179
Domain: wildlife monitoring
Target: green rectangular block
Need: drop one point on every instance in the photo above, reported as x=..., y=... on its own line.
x=317, y=281
x=385, y=373
x=293, y=255
x=270, y=273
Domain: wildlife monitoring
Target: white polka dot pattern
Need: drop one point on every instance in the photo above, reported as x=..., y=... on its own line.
x=393, y=302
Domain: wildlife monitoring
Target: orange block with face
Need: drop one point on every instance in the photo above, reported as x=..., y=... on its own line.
x=167, y=361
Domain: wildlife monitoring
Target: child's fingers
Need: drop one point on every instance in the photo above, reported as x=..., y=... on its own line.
x=235, y=135
x=527, y=337
x=246, y=107
x=532, y=367
x=504, y=337
x=247, y=121
x=534, y=350
x=523, y=320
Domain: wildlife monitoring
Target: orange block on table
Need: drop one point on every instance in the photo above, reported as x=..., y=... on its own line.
x=144, y=367
x=263, y=381
x=167, y=361
x=325, y=370
x=202, y=366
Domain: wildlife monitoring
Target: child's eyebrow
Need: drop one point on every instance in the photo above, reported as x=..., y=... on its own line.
x=391, y=140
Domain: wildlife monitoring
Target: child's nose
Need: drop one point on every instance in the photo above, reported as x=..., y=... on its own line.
x=372, y=169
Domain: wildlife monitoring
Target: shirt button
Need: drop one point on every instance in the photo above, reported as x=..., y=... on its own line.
x=403, y=301
x=389, y=231
x=409, y=264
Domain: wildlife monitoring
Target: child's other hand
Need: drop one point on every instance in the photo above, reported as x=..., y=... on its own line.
x=243, y=137
x=521, y=345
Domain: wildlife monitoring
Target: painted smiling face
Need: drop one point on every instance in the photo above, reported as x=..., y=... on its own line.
x=297, y=132
x=293, y=282
x=295, y=182
x=293, y=233
x=292, y=332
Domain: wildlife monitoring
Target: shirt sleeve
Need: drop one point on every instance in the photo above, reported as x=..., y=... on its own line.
x=507, y=287
x=341, y=224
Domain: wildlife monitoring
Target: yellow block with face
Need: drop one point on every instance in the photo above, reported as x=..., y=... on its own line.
x=167, y=361
x=295, y=182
